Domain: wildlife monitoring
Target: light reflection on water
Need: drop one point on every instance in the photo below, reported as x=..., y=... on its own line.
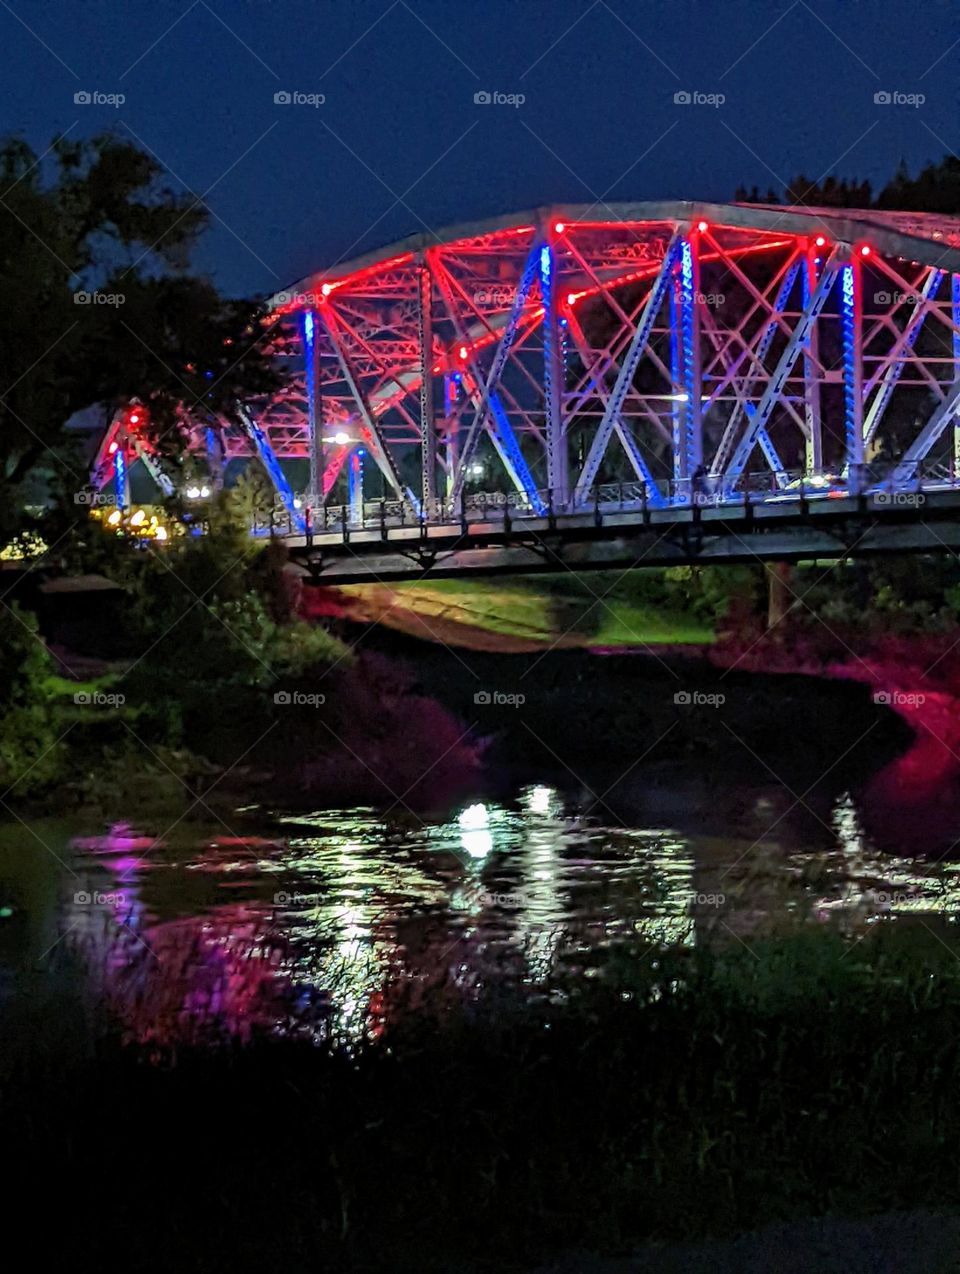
x=335, y=921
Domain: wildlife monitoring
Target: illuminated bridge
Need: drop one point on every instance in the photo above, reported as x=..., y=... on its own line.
x=591, y=386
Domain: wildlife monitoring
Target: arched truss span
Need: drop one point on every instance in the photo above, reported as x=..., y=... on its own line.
x=679, y=346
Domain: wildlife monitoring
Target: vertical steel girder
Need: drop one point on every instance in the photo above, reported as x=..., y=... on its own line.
x=451, y=427
x=778, y=378
x=355, y=486
x=272, y=465
x=121, y=473
x=685, y=347
x=628, y=369
x=311, y=348
x=955, y=314
x=373, y=437
x=851, y=327
x=811, y=381
x=558, y=474
x=428, y=432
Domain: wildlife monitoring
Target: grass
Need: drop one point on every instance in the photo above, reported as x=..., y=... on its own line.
x=701, y=1093
x=543, y=609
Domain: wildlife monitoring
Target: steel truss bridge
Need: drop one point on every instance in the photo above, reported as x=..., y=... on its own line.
x=667, y=381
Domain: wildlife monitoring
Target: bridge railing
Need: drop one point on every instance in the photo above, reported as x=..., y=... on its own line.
x=503, y=508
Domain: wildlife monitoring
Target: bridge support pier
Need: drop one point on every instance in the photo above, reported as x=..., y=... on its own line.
x=779, y=594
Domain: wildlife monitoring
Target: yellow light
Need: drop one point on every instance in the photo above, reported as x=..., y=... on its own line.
x=138, y=518
x=114, y=517
x=161, y=532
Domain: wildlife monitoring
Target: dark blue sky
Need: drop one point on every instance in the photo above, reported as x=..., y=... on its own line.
x=399, y=144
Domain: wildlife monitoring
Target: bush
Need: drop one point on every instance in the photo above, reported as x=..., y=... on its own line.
x=29, y=755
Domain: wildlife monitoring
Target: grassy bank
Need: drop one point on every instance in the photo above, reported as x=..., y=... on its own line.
x=608, y=608
x=698, y=1094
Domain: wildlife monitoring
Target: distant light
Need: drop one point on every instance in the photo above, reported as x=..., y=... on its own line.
x=463, y=351
x=571, y=298
x=161, y=532
x=113, y=447
x=138, y=518
x=476, y=470
x=865, y=250
x=474, y=816
x=819, y=241
x=326, y=288
x=114, y=517
x=540, y=799
x=341, y=439
x=559, y=227
x=204, y=492
x=701, y=226
x=134, y=418
x=297, y=502
x=193, y=493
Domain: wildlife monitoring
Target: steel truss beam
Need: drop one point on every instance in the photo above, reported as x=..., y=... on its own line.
x=896, y=359
x=372, y=436
x=272, y=466
x=558, y=471
x=497, y=365
x=497, y=425
x=611, y=416
x=778, y=378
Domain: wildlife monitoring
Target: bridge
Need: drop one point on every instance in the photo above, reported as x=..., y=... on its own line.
x=602, y=385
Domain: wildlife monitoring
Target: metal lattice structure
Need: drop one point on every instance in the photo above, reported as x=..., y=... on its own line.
x=693, y=350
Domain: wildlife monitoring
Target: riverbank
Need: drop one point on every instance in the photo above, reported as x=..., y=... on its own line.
x=697, y=1096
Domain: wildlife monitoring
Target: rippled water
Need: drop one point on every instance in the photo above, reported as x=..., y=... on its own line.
x=331, y=923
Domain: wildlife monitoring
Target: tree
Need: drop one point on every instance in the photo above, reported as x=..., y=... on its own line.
x=100, y=305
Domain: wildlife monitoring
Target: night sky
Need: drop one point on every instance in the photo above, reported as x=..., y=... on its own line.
x=399, y=144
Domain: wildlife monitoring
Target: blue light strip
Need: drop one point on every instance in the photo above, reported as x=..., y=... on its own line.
x=120, y=477
x=690, y=407
x=505, y=441
x=355, y=485
x=308, y=331
x=272, y=466
x=848, y=318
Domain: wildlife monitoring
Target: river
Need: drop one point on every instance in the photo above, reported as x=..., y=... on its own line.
x=323, y=925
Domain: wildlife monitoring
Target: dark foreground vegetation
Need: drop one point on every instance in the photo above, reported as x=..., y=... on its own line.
x=690, y=1094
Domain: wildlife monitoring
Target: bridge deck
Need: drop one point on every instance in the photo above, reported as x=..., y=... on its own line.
x=777, y=529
